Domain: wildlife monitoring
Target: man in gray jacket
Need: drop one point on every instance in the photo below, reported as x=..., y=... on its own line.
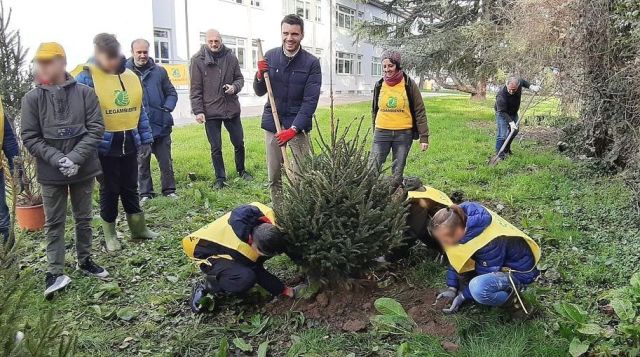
x=61, y=127
x=216, y=81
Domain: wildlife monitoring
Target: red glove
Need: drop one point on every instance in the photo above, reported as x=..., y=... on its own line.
x=263, y=66
x=284, y=136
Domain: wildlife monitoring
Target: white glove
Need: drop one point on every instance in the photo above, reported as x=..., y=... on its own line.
x=455, y=305
x=229, y=89
x=65, y=162
x=534, y=88
x=513, y=125
x=450, y=293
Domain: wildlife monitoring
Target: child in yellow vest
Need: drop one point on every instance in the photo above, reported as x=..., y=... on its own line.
x=480, y=243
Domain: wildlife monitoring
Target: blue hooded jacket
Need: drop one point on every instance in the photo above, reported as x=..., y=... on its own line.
x=500, y=252
x=160, y=96
x=9, y=143
x=141, y=136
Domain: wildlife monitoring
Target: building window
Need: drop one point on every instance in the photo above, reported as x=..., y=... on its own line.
x=162, y=45
x=345, y=17
x=376, y=66
x=359, y=65
x=345, y=63
x=254, y=53
x=256, y=3
x=237, y=45
x=318, y=13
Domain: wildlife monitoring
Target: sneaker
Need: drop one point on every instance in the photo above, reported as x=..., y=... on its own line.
x=246, y=176
x=219, y=185
x=53, y=283
x=144, y=199
x=198, y=292
x=172, y=195
x=90, y=268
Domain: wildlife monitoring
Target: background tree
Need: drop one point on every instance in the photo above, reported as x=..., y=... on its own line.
x=15, y=78
x=459, y=44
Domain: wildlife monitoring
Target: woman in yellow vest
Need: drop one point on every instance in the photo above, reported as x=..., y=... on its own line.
x=127, y=135
x=495, y=256
x=398, y=115
x=231, y=252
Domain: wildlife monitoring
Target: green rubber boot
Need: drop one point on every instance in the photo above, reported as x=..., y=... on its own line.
x=110, y=236
x=138, y=227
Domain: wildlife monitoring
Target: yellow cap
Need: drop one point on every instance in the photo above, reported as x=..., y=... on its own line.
x=49, y=50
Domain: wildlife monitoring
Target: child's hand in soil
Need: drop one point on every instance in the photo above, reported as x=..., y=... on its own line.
x=455, y=305
x=295, y=292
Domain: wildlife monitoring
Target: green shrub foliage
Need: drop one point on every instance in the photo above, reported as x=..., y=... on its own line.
x=339, y=211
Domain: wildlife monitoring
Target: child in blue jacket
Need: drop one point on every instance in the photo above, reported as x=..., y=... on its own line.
x=489, y=282
x=10, y=150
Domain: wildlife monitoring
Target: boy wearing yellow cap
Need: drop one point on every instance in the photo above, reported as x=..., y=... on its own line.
x=61, y=127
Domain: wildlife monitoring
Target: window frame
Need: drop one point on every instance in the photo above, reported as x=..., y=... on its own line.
x=157, y=41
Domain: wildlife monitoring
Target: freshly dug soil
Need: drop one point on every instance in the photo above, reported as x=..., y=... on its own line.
x=350, y=309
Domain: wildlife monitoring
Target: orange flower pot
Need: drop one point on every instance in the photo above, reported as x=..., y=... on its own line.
x=30, y=218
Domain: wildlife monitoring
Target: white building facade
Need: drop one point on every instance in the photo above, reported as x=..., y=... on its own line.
x=176, y=30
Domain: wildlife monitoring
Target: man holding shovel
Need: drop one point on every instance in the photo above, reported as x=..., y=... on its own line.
x=507, y=105
x=295, y=79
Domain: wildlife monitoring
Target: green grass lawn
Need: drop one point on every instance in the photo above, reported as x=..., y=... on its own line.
x=580, y=217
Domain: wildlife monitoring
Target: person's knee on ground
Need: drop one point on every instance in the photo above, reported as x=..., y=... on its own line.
x=239, y=282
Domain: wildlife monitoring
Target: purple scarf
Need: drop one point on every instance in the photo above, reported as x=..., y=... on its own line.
x=394, y=79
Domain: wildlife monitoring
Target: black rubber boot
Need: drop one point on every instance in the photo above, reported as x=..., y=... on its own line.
x=198, y=292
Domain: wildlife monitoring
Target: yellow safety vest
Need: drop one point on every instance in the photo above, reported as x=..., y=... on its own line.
x=394, y=112
x=430, y=194
x=460, y=255
x=120, y=97
x=220, y=232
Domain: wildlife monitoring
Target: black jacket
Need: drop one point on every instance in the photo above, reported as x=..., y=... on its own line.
x=209, y=73
x=510, y=103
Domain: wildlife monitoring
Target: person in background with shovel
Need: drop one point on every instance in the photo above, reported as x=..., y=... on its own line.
x=507, y=105
x=293, y=77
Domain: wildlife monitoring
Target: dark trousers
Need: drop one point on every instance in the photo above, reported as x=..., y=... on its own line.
x=161, y=148
x=228, y=276
x=398, y=142
x=119, y=179
x=236, y=134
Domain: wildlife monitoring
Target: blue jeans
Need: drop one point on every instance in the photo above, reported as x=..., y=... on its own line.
x=502, y=123
x=5, y=221
x=398, y=142
x=491, y=289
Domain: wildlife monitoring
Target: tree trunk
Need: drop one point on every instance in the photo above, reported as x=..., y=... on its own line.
x=421, y=81
x=481, y=90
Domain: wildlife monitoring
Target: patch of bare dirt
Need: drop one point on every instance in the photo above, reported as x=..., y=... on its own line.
x=350, y=309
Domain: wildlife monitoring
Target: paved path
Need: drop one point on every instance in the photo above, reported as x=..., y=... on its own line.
x=252, y=106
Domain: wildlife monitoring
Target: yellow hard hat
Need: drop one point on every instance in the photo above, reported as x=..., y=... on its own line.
x=49, y=50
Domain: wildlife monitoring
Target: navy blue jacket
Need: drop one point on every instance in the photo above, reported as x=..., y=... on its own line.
x=160, y=96
x=500, y=252
x=9, y=142
x=141, y=136
x=296, y=88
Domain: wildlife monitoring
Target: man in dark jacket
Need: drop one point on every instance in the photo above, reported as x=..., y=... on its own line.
x=296, y=78
x=159, y=100
x=507, y=105
x=216, y=80
x=10, y=150
x=61, y=127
